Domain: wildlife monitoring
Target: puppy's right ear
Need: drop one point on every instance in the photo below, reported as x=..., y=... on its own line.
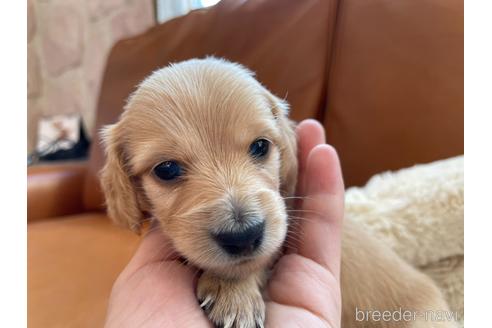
x=119, y=191
x=288, y=144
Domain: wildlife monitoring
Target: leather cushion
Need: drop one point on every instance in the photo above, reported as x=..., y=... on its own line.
x=395, y=93
x=55, y=189
x=72, y=264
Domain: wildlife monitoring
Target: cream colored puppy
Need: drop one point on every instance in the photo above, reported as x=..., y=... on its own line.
x=209, y=153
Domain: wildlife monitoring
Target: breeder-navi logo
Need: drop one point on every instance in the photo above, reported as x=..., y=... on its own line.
x=404, y=315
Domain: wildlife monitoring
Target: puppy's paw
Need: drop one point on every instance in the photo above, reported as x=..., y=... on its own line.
x=231, y=304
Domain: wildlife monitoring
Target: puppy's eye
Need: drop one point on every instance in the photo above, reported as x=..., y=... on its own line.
x=259, y=148
x=168, y=170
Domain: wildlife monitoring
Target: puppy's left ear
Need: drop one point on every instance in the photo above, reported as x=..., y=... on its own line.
x=287, y=144
x=119, y=190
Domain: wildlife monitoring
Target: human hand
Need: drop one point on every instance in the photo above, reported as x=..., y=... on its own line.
x=304, y=290
x=157, y=290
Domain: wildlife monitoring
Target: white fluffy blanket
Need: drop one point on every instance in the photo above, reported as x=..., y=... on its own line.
x=418, y=212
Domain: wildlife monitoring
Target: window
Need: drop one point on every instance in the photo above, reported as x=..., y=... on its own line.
x=168, y=9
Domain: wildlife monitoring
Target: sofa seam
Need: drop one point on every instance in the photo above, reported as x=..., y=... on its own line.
x=331, y=58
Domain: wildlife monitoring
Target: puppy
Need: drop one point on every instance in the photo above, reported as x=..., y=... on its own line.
x=208, y=152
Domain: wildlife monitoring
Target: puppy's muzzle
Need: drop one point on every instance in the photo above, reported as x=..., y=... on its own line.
x=243, y=241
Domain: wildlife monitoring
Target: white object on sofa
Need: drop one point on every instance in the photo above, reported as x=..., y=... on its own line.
x=419, y=213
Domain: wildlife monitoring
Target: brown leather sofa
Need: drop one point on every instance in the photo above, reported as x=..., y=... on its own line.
x=385, y=77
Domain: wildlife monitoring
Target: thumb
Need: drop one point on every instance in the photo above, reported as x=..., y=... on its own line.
x=323, y=206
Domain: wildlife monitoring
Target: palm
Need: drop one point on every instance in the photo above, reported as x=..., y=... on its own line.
x=297, y=300
x=157, y=293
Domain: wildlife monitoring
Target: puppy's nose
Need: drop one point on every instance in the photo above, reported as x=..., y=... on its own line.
x=241, y=242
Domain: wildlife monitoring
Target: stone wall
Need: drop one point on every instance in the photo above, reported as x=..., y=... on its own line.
x=67, y=45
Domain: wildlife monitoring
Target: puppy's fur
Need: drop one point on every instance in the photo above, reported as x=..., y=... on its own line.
x=204, y=114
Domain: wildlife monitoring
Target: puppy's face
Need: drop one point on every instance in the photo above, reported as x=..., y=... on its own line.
x=209, y=153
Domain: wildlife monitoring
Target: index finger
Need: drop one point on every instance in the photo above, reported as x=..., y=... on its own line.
x=310, y=133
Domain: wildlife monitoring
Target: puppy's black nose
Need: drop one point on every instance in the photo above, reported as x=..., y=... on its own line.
x=241, y=242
